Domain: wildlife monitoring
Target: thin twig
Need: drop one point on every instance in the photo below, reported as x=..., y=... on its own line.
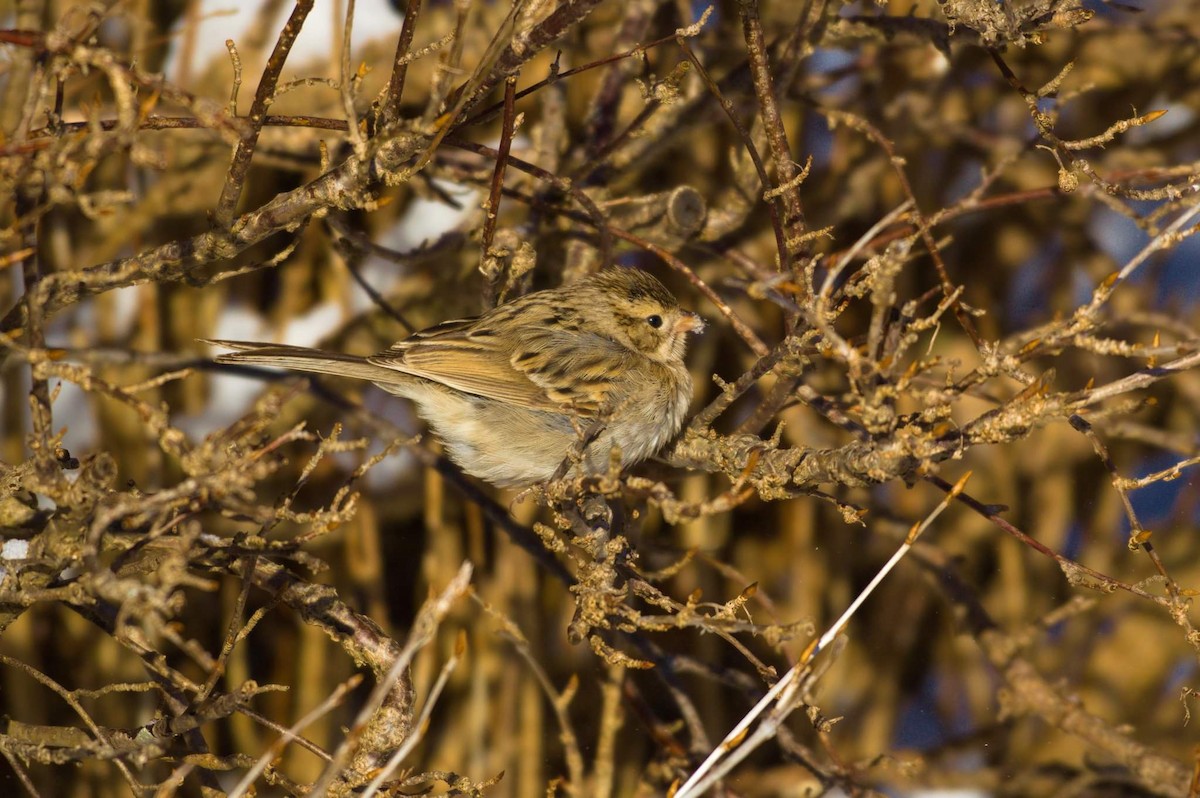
x=395, y=90
x=786, y=169
x=491, y=212
x=236, y=178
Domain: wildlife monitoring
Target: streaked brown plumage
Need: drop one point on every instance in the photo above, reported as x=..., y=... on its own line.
x=511, y=392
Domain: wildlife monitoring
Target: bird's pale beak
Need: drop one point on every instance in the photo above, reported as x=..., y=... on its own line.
x=689, y=323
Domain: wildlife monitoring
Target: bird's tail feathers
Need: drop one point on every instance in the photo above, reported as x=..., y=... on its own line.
x=300, y=358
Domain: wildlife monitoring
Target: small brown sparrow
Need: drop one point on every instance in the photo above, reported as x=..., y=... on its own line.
x=513, y=392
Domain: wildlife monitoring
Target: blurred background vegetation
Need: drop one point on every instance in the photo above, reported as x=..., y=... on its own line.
x=930, y=238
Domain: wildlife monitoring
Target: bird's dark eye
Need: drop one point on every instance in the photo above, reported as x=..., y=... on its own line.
x=654, y=321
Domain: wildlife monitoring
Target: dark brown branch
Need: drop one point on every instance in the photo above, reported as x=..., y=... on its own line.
x=786, y=169
x=566, y=16
x=491, y=214
x=236, y=178
x=561, y=183
x=777, y=223
x=395, y=91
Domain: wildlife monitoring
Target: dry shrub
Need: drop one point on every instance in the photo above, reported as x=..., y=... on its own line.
x=932, y=240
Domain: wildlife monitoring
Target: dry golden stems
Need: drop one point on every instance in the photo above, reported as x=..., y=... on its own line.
x=520, y=535
x=382, y=725
x=159, y=263
x=611, y=719
x=1135, y=381
x=26, y=201
x=667, y=669
x=364, y=643
x=1165, y=475
x=352, y=252
x=795, y=344
x=826, y=375
x=15, y=110
x=1087, y=317
x=489, y=112
x=422, y=723
x=718, y=618
x=43, y=138
x=675, y=510
x=586, y=171
x=530, y=42
x=967, y=206
x=292, y=734
x=1139, y=537
x=843, y=259
x=449, y=68
x=41, y=411
x=1029, y=693
x=785, y=392
x=737, y=577
x=663, y=735
x=232, y=636
x=344, y=187
x=101, y=736
x=173, y=685
x=1007, y=357
x=605, y=580
x=600, y=121
x=19, y=769
x=560, y=701
x=778, y=473
x=387, y=719
x=347, y=85
x=207, y=113
x=785, y=694
x=471, y=90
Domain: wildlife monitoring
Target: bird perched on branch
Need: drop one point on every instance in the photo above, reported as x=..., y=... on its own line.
x=588, y=367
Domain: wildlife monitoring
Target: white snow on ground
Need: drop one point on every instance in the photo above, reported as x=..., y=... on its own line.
x=423, y=221
x=73, y=409
x=230, y=395
x=227, y=19
x=316, y=323
x=14, y=550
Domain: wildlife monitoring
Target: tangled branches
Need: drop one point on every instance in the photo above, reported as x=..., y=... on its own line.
x=926, y=243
